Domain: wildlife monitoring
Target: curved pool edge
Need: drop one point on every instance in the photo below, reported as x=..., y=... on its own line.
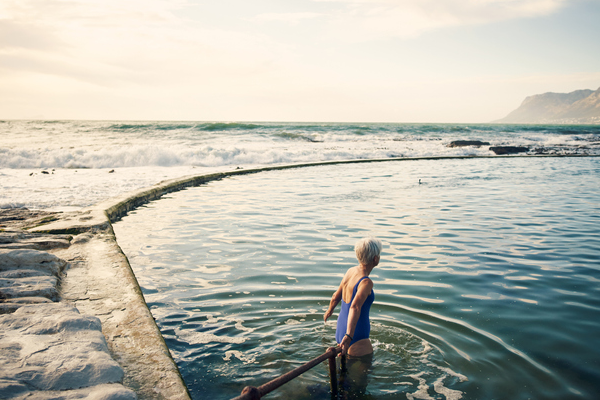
x=130, y=330
x=106, y=287
x=101, y=215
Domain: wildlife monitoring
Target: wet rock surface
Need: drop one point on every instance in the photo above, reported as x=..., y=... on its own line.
x=27, y=276
x=465, y=143
x=48, y=350
x=51, y=347
x=16, y=219
x=502, y=150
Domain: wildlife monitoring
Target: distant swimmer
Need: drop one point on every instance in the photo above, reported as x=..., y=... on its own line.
x=356, y=294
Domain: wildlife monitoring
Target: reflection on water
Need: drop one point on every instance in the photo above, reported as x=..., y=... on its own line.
x=487, y=288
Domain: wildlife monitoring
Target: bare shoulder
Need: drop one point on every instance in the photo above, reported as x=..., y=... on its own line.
x=349, y=274
x=363, y=291
x=366, y=283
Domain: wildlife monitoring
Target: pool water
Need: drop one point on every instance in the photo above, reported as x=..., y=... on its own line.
x=487, y=286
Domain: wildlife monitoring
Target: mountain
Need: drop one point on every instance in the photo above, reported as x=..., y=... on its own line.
x=578, y=107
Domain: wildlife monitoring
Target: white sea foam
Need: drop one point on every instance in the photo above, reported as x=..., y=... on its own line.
x=449, y=394
x=239, y=325
x=240, y=356
x=170, y=155
x=143, y=153
x=67, y=189
x=422, y=392
x=193, y=337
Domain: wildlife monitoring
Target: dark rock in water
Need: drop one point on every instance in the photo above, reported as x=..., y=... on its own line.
x=45, y=172
x=464, y=143
x=501, y=150
x=111, y=171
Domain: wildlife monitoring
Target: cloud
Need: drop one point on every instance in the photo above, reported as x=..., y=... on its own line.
x=115, y=42
x=290, y=18
x=131, y=59
x=364, y=20
x=164, y=59
x=96, y=40
x=15, y=35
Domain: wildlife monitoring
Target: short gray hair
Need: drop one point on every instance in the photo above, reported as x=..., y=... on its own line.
x=367, y=249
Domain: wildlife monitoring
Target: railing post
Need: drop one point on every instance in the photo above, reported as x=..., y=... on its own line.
x=253, y=393
x=333, y=372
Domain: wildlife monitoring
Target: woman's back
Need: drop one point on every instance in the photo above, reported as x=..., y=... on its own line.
x=353, y=275
x=361, y=297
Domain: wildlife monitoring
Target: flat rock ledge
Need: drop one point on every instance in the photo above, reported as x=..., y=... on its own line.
x=73, y=321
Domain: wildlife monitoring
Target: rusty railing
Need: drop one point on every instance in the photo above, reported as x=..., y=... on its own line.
x=255, y=393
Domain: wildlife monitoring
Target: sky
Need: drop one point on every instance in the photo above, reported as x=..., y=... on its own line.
x=454, y=61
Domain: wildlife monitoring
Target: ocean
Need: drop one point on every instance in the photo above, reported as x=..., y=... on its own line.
x=66, y=165
x=488, y=284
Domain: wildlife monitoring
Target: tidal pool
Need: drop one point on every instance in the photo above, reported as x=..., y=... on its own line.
x=488, y=285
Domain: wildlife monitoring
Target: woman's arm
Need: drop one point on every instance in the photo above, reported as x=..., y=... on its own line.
x=335, y=299
x=364, y=290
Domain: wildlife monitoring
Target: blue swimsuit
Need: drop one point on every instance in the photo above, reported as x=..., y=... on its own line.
x=363, y=326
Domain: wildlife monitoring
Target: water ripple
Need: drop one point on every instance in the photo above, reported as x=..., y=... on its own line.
x=488, y=285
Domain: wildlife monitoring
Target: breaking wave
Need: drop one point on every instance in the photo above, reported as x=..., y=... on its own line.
x=98, y=144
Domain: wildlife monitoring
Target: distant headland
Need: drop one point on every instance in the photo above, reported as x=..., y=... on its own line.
x=578, y=107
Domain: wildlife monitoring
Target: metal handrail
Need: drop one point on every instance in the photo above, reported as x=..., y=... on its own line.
x=255, y=393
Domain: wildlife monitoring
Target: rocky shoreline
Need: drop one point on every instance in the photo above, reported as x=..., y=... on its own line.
x=73, y=321
x=558, y=150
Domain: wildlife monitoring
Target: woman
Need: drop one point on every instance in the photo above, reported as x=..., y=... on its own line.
x=356, y=294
